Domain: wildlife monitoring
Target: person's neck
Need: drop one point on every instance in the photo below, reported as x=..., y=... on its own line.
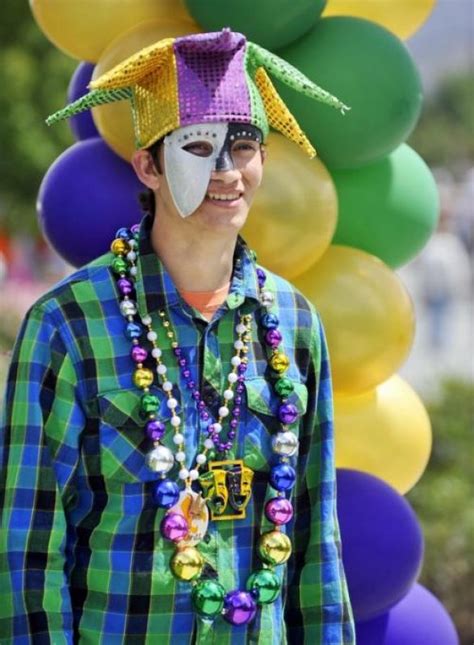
x=195, y=262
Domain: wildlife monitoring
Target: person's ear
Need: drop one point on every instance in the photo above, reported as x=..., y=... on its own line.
x=145, y=169
x=263, y=153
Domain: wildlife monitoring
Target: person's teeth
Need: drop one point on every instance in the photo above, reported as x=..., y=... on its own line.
x=227, y=198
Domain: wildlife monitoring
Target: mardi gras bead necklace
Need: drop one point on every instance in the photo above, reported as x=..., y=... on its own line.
x=226, y=481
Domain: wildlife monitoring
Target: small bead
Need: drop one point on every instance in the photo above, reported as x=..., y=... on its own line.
x=152, y=335
x=146, y=320
x=234, y=423
x=209, y=444
x=167, y=386
x=193, y=474
x=180, y=456
x=238, y=344
x=235, y=361
x=156, y=352
x=223, y=411
x=161, y=369
x=232, y=377
x=241, y=328
x=172, y=403
x=204, y=415
x=133, y=271
x=201, y=459
x=191, y=384
x=228, y=395
x=216, y=427
x=178, y=438
x=184, y=473
x=175, y=421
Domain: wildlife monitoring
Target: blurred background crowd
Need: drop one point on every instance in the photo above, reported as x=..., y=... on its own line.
x=33, y=78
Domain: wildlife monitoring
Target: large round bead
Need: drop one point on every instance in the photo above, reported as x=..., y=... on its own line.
x=133, y=330
x=274, y=547
x=143, y=377
x=208, y=597
x=155, y=429
x=123, y=233
x=165, y=493
x=119, y=246
x=264, y=585
x=149, y=403
x=186, y=564
x=284, y=387
x=280, y=362
x=285, y=443
x=287, y=413
x=119, y=265
x=128, y=308
x=269, y=321
x=273, y=338
x=160, y=459
x=138, y=354
x=279, y=510
x=282, y=477
x=239, y=607
x=174, y=527
x=125, y=286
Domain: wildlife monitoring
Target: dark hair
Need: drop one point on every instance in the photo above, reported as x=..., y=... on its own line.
x=147, y=197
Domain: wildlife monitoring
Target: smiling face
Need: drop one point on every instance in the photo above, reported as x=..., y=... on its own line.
x=211, y=173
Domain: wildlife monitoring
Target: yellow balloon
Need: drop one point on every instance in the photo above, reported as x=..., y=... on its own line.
x=367, y=314
x=294, y=215
x=385, y=432
x=114, y=121
x=402, y=18
x=84, y=28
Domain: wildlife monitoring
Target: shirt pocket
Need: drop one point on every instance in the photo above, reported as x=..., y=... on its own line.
x=261, y=420
x=123, y=441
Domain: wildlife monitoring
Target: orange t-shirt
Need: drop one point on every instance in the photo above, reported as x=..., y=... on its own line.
x=206, y=302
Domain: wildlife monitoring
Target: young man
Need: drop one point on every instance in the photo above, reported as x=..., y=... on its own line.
x=168, y=459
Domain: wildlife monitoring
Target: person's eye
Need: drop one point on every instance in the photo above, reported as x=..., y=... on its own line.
x=199, y=148
x=245, y=146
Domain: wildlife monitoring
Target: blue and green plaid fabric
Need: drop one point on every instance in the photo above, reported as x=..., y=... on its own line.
x=82, y=558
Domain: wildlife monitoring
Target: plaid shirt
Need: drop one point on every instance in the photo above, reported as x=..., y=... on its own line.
x=82, y=555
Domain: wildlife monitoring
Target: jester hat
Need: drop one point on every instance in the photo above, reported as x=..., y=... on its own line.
x=202, y=78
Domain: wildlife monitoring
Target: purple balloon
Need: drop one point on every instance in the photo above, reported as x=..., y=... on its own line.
x=382, y=542
x=86, y=195
x=82, y=125
x=417, y=619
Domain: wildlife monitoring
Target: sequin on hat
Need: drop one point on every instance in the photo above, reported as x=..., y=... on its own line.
x=202, y=78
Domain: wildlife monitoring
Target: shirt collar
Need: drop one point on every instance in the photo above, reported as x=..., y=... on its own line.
x=156, y=290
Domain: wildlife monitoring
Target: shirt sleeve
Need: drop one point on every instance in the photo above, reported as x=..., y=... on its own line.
x=39, y=434
x=318, y=605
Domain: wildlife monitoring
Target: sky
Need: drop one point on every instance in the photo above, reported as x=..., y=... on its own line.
x=445, y=43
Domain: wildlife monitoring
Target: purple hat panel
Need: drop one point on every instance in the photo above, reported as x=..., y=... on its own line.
x=212, y=84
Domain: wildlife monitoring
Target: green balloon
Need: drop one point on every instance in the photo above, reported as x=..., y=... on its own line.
x=270, y=23
x=265, y=585
x=208, y=597
x=389, y=208
x=369, y=69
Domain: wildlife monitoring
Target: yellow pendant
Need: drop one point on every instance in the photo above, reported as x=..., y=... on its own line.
x=119, y=247
x=186, y=564
x=143, y=377
x=274, y=547
x=280, y=362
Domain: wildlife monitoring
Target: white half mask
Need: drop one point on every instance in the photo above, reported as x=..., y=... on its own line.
x=188, y=174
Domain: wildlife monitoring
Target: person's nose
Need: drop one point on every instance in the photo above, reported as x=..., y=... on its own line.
x=226, y=175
